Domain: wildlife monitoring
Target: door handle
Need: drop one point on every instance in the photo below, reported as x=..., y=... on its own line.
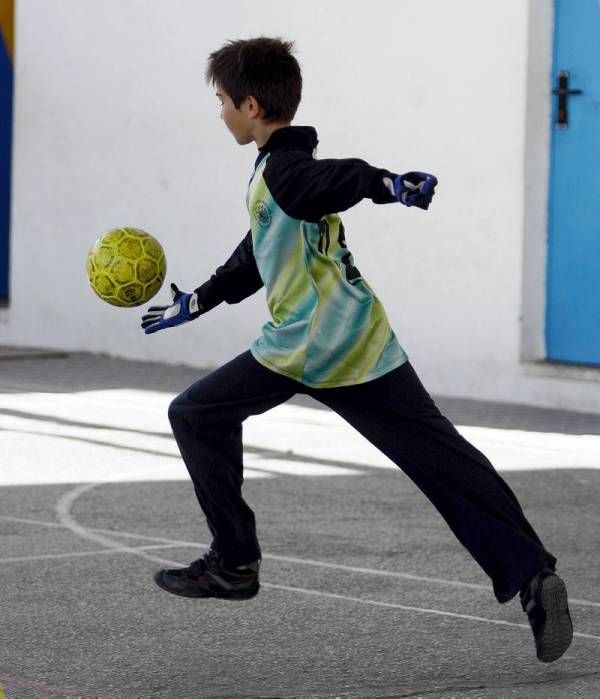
x=563, y=92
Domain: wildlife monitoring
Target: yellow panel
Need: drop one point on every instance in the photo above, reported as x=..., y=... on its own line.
x=7, y=24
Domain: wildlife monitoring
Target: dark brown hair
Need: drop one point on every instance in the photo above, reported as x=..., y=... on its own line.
x=264, y=68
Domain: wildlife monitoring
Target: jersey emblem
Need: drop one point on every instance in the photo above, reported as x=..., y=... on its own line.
x=262, y=213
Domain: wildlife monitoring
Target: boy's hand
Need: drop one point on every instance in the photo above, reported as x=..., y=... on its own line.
x=185, y=307
x=415, y=189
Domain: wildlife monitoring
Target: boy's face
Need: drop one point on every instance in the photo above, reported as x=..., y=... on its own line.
x=240, y=121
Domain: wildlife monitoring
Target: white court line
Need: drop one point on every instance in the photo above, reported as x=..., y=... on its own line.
x=174, y=543
x=421, y=610
x=75, y=554
x=63, y=510
x=139, y=551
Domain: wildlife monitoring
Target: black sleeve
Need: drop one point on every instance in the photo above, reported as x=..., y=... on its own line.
x=308, y=189
x=234, y=281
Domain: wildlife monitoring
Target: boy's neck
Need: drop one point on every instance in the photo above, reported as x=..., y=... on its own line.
x=263, y=131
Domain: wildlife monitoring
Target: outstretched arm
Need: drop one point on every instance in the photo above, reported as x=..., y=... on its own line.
x=234, y=281
x=308, y=189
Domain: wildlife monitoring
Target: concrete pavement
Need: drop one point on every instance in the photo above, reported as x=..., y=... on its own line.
x=365, y=591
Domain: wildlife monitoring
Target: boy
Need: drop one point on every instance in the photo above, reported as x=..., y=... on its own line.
x=329, y=338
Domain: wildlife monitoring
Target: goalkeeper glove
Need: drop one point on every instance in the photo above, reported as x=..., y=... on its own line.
x=415, y=189
x=185, y=307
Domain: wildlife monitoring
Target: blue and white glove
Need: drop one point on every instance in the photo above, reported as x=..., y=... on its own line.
x=185, y=307
x=415, y=189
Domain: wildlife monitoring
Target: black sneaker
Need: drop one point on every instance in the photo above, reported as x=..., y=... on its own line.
x=207, y=578
x=545, y=601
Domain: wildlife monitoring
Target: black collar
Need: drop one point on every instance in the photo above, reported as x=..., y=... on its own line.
x=303, y=138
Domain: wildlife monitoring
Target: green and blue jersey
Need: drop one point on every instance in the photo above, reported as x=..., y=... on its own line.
x=327, y=327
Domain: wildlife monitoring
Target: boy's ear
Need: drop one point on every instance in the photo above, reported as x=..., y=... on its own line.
x=252, y=107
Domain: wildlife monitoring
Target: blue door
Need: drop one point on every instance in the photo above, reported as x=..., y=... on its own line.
x=573, y=293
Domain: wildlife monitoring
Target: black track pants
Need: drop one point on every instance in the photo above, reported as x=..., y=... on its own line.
x=397, y=415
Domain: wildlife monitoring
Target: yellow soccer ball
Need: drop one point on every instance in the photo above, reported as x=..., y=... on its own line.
x=126, y=267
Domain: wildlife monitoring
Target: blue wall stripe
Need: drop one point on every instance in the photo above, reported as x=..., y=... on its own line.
x=6, y=118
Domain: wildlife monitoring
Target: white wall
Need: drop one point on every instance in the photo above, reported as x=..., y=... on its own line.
x=115, y=126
